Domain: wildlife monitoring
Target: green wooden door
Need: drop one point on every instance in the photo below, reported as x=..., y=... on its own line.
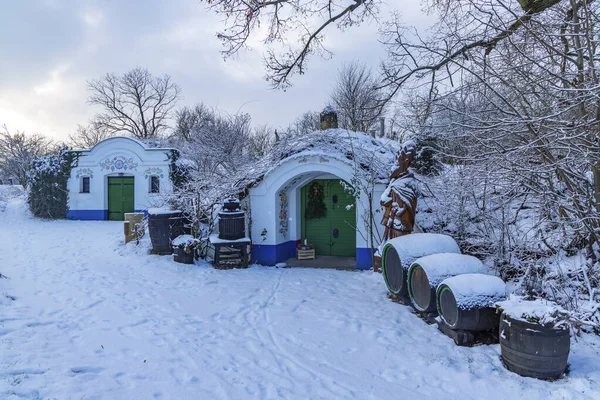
x=120, y=197
x=334, y=235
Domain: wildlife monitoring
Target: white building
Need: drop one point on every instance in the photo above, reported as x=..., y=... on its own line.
x=116, y=176
x=351, y=169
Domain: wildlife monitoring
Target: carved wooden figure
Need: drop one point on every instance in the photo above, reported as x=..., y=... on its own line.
x=400, y=197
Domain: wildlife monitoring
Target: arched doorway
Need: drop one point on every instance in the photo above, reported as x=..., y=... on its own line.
x=334, y=233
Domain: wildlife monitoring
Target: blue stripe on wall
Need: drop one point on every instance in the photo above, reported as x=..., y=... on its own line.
x=88, y=215
x=271, y=254
x=93, y=215
x=268, y=254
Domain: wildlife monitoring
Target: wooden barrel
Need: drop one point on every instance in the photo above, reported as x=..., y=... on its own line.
x=467, y=301
x=533, y=350
x=426, y=273
x=159, y=226
x=399, y=253
x=232, y=225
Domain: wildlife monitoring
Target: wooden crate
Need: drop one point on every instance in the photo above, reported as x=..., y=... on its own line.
x=305, y=254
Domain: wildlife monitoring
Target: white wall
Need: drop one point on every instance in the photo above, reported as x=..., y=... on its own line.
x=93, y=163
x=290, y=176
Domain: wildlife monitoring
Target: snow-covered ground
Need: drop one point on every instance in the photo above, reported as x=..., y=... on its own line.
x=93, y=319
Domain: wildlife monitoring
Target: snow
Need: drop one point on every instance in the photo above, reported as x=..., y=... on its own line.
x=95, y=319
x=215, y=239
x=476, y=290
x=328, y=110
x=183, y=240
x=543, y=311
x=162, y=211
x=410, y=247
x=370, y=156
x=440, y=266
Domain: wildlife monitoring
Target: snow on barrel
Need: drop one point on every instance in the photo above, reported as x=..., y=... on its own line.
x=426, y=273
x=467, y=301
x=399, y=253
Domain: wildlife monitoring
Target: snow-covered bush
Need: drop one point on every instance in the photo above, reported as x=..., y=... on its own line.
x=515, y=233
x=186, y=242
x=47, y=182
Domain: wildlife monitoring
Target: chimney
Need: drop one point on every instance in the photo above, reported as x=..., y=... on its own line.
x=329, y=118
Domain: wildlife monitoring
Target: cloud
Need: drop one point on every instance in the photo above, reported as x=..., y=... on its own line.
x=43, y=70
x=92, y=18
x=55, y=84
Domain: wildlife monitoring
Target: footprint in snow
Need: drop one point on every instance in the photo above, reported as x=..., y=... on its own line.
x=85, y=370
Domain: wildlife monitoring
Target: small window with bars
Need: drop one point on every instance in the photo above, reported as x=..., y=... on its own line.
x=154, y=184
x=85, y=184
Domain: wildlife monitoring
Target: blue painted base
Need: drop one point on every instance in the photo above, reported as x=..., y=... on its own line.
x=88, y=215
x=268, y=254
x=93, y=215
x=363, y=258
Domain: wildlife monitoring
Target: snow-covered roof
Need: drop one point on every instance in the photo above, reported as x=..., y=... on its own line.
x=328, y=110
x=117, y=138
x=373, y=155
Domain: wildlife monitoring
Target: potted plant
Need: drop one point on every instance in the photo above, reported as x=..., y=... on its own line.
x=534, y=337
x=184, y=247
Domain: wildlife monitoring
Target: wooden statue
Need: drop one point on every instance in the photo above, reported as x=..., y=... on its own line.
x=400, y=197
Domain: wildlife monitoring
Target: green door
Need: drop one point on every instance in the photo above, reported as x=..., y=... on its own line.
x=334, y=235
x=120, y=197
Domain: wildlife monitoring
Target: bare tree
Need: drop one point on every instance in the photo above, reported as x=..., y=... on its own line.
x=219, y=145
x=135, y=103
x=188, y=120
x=519, y=90
x=261, y=140
x=512, y=89
x=296, y=26
x=304, y=125
x=87, y=136
x=356, y=98
x=18, y=150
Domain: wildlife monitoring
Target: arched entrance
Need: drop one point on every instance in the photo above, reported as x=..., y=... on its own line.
x=334, y=233
x=278, y=224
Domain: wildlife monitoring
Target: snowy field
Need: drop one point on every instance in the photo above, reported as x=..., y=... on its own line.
x=93, y=319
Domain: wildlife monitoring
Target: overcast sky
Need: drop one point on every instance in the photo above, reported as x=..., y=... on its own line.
x=50, y=48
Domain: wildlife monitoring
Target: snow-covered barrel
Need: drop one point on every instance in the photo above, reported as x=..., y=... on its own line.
x=468, y=301
x=535, y=339
x=399, y=253
x=164, y=225
x=426, y=273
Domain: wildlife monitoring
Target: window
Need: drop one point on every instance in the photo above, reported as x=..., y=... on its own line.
x=154, y=184
x=10, y=181
x=85, y=184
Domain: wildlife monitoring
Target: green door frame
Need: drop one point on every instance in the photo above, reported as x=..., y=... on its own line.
x=339, y=220
x=120, y=196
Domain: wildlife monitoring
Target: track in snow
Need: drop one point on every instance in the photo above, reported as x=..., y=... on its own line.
x=94, y=319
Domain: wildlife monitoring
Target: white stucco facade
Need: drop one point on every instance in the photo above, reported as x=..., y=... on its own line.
x=117, y=157
x=276, y=211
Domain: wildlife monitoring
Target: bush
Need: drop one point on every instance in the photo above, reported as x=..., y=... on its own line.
x=47, y=181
